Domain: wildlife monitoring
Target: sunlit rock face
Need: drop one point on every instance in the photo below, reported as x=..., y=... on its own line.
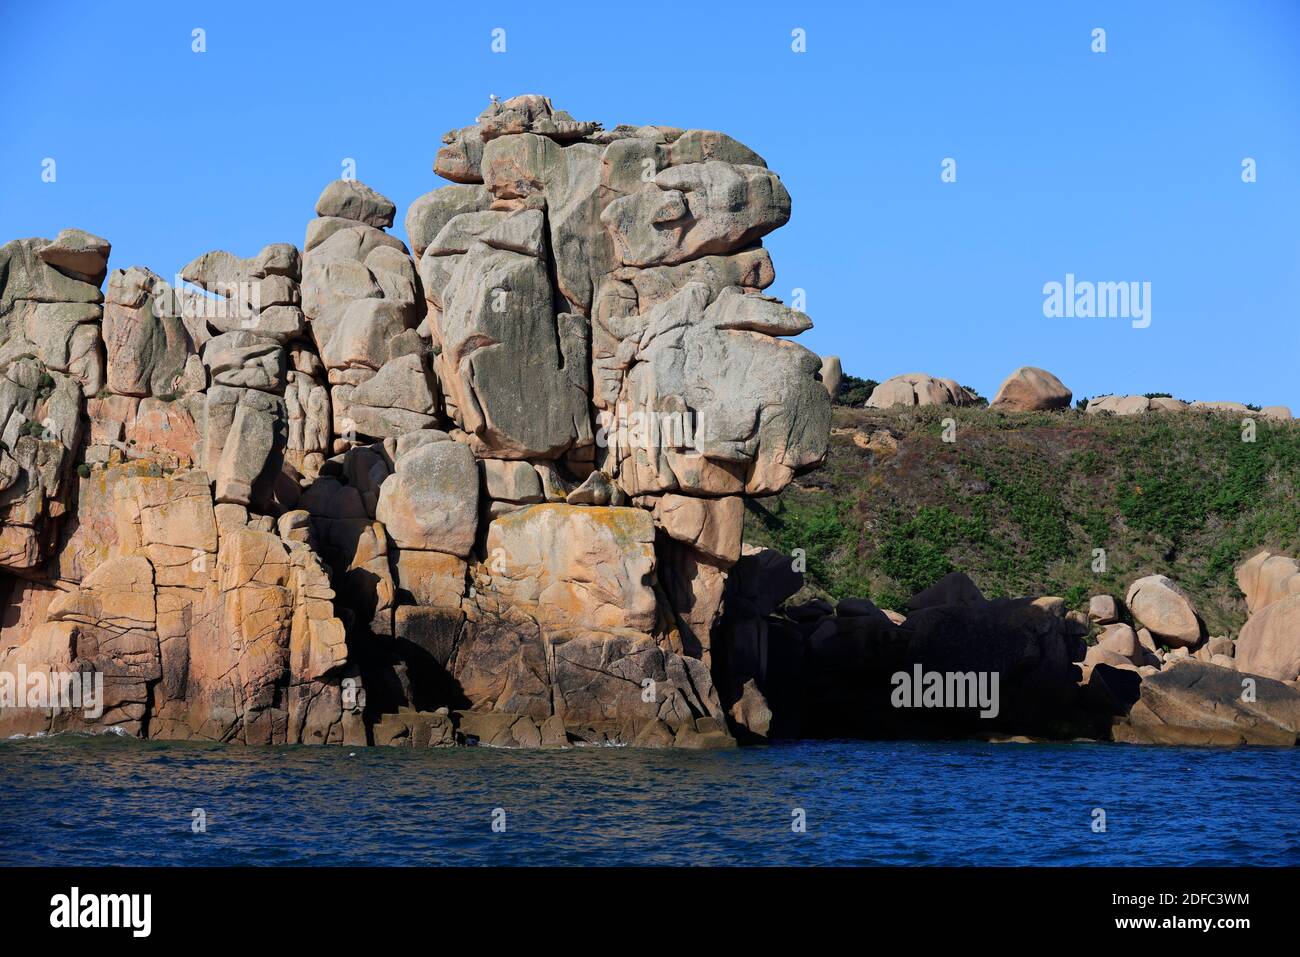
x=301, y=493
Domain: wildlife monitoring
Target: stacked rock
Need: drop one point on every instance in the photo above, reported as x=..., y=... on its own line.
x=51, y=361
x=507, y=481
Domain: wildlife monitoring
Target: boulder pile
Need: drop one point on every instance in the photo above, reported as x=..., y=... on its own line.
x=1183, y=687
x=488, y=488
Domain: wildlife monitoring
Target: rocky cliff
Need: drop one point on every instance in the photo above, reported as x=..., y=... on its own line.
x=492, y=488
x=488, y=487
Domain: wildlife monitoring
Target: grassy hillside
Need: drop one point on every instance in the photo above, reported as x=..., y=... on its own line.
x=1019, y=502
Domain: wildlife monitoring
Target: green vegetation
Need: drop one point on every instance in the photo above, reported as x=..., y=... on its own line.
x=1020, y=502
x=854, y=391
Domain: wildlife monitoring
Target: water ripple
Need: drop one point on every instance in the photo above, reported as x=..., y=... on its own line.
x=111, y=800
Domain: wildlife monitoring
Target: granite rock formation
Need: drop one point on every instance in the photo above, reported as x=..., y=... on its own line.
x=488, y=488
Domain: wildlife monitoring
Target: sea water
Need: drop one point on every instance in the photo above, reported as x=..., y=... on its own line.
x=102, y=800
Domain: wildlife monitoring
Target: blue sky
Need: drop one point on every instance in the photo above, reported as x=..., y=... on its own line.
x=1115, y=166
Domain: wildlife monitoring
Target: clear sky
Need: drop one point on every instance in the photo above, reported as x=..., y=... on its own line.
x=1116, y=166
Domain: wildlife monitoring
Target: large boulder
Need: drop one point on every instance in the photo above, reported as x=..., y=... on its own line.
x=917, y=388
x=1030, y=389
x=955, y=588
x=146, y=340
x=570, y=565
x=1195, y=703
x=398, y=399
x=1166, y=610
x=510, y=368
x=260, y=295
x=79, y=254
x=426, y=217
x=353, y=199
x=244, y=432
x=1269, y=643
x=709, y=525
x=761, y=580
x=1102, y=610
x=430, y=502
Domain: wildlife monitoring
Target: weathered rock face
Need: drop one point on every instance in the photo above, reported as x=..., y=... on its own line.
x=51, y=359
x=51, y=306
x=569, y=565
x=584, y=203
x=331, y=495
x=198, y=634
x=505, y=354
x=615, y=686
x=431, y=501
x=714, y=405
x=41, y=416
x=147, y=343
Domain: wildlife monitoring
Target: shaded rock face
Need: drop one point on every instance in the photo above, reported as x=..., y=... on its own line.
x=826, y=672
x=610, y=686
x=489, y=488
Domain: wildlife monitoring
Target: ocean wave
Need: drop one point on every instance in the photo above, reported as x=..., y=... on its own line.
x=114, y=732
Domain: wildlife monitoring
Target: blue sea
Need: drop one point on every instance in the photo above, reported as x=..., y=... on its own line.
x=106, y=800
